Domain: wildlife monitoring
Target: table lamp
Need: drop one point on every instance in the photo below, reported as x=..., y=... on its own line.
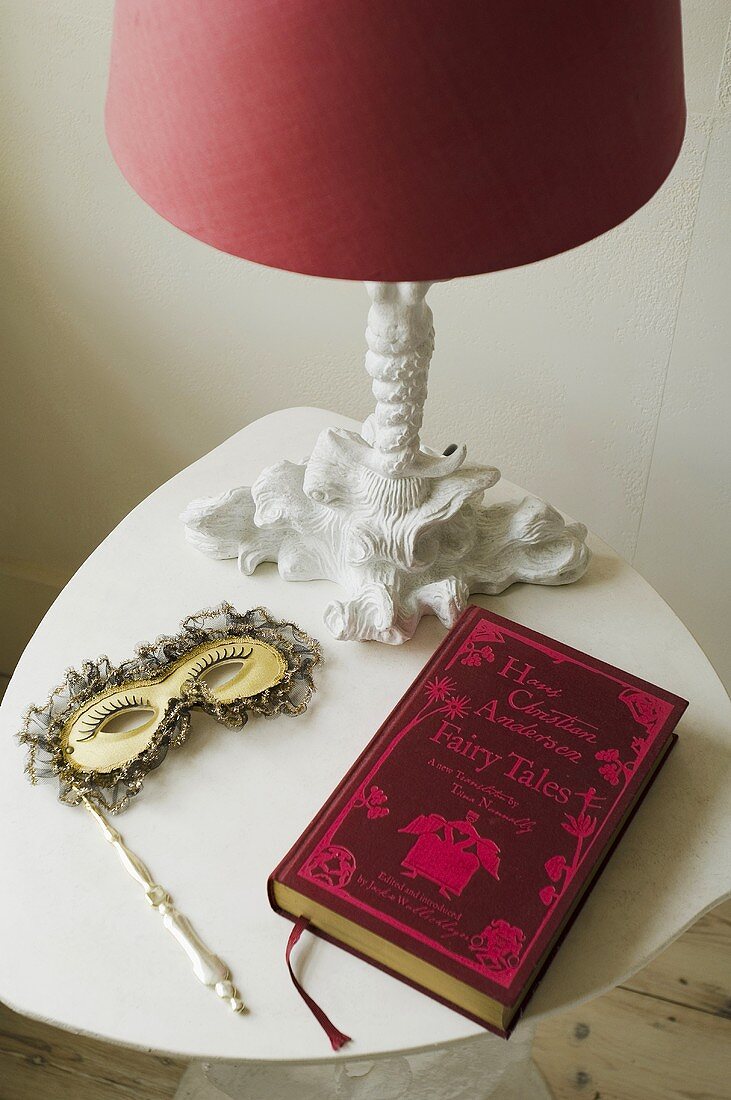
x=397, y=142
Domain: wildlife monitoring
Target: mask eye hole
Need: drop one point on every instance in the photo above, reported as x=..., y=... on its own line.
x=129, y=721
x=124, y=715
x=220, y=674
x=220, y=667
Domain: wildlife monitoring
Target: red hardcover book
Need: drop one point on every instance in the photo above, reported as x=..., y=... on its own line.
x=461, y=843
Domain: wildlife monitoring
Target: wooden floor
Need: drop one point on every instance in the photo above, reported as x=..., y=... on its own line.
x=666, y=1035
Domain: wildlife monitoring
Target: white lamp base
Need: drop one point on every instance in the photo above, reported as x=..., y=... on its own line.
x=400, y=527
x=400, y=549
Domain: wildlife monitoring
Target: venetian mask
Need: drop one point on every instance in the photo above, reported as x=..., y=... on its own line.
x=107, y=726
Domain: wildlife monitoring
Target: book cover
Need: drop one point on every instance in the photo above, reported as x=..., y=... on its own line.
x=459, y=845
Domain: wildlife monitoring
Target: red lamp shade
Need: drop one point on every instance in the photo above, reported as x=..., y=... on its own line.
x=396, y=139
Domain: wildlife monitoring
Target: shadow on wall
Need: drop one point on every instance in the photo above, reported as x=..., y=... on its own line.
x=66, y=419
x=79, y=442
x=122, y=339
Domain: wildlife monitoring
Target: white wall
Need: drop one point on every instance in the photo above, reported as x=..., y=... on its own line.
x=597, y=379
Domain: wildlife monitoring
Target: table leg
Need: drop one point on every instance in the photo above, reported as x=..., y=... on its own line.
x=484, y=1068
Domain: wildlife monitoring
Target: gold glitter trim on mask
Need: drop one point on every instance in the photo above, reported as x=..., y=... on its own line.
x=77, y=738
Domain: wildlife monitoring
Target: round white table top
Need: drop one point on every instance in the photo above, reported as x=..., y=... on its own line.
x=81, y=950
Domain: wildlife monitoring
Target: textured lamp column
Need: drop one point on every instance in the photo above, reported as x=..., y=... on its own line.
x=397, y=142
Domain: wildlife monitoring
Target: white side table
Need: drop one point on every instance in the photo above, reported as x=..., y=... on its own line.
x=80, y=952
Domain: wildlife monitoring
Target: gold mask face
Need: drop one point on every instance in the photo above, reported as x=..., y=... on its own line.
x=105, y=728
x=118, y=725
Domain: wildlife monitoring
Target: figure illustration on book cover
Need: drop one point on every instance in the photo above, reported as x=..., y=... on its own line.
x=449, y=853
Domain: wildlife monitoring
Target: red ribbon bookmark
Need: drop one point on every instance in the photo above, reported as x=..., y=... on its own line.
x=337, y=1038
